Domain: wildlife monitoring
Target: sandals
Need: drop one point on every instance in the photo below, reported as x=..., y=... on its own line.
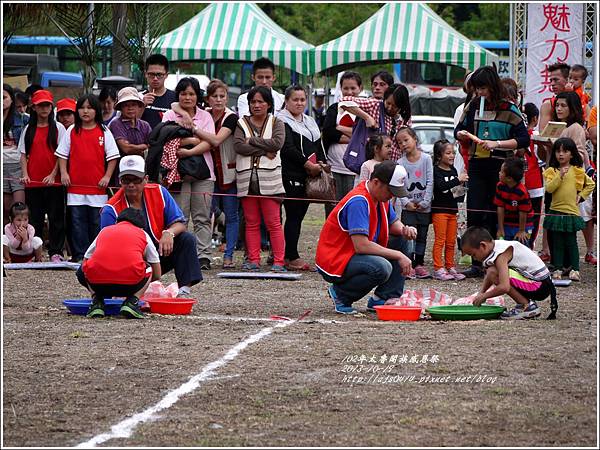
x=228, y=264
x=304, y=267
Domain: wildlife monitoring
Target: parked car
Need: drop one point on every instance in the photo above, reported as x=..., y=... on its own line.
x=430, y=129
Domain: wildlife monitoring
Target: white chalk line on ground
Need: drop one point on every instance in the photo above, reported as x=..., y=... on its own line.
x=125, y=428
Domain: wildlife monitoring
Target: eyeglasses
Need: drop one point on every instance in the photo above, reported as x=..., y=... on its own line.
x=156, y=75
x=134, y=180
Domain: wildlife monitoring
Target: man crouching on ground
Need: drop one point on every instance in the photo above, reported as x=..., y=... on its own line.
x=354, y=254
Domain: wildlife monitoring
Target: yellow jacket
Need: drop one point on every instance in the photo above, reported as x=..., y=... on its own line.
x=566, y=190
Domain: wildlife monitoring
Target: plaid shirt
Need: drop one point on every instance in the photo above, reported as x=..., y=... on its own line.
x=169, y=161
x=372, y=107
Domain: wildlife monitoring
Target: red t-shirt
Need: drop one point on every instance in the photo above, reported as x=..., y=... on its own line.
x=41, y=159
x=118, y=257
x=533, y=172
x=87, y=160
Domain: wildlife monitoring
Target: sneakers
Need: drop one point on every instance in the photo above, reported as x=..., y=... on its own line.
x=422, y=272
x=557, y=275
x=131, y=308
x=590, y=258
x=374, y=302
x=250, y=266
x=457, y=276
x=96, y=308
x=519, y=312
x=278, y=268
x=442, y=275
x=58, y=258
x=204, y=263
x=574, y=275
x=340, y=308
x=473, y=272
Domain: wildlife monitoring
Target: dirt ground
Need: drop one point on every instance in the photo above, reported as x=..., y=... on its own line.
x=68, y=379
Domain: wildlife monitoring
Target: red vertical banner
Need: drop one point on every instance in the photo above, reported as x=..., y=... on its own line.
x=554, y=34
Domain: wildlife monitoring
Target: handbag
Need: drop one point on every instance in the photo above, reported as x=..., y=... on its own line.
x=194, y=166
x=321, y=187
x=356, y=153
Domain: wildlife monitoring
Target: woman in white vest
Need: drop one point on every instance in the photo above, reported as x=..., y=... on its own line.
x=224, y=159
x=257, y=141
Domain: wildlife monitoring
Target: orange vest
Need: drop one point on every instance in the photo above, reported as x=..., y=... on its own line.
x=335, y=247
x=154, y=203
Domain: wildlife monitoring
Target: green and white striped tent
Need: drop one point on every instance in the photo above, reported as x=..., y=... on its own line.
x=238, y=32
x=409, y=31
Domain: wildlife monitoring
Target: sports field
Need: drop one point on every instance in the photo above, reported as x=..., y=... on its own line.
x=229, y=375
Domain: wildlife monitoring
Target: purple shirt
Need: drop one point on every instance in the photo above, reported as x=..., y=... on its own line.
x=204, y=121
x=122, y=129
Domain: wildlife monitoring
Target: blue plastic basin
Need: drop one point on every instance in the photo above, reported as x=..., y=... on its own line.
x=80, y=306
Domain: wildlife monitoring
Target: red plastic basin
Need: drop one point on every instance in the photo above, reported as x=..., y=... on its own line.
x=179, y=306
x=395, y=312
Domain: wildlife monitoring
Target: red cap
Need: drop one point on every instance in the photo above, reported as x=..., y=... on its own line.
x=66, y=104
x=42, y=96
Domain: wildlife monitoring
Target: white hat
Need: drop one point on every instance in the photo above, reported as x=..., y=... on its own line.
x=128, y=94
x=319, y=92
x=392, y=174
x=132, y=165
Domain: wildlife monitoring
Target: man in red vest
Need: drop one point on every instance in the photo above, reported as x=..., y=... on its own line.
x=355, y=253
x=163, y=221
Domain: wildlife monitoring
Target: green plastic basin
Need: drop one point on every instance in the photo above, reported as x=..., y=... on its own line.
x=465, y=312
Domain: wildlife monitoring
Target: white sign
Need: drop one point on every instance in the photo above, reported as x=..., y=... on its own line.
x=554, y=34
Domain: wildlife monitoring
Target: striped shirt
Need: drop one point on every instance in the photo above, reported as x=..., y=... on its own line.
x=514, y=200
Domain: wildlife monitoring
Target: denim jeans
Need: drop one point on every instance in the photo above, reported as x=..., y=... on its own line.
x=232, y=221
x=85, y=226
x=365, y=272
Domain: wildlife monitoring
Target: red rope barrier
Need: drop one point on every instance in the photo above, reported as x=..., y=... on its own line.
x=276, y=197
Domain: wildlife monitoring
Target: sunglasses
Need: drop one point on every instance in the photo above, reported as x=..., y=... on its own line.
x=157, y=75
x=134, y=180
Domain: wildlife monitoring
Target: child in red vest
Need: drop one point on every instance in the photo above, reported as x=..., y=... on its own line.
x=91, y=153
x=121, y=262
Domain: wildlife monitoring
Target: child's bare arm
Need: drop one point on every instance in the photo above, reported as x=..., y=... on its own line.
x=500, y=232
x=503, y=281
x=199, y=149
x=156, y=272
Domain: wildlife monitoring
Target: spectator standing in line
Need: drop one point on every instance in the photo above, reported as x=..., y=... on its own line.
x=302, y=156
x=257, y=141
x=13, y=124
x=396, y=109
x=380, y=82
x=494, y=131
x=39, y=166
x=157, y=97
x=263, y=74
x=534, y=181
x=195, y=196
x=87, y=157
x=337, y=131
x=130, y=133
x=558, y=75
x=224, y=157
x=108, y=98
x=65, y=112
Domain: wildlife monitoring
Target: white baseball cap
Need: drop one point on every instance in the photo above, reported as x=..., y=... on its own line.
x=392, y=174
x=132, y=165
